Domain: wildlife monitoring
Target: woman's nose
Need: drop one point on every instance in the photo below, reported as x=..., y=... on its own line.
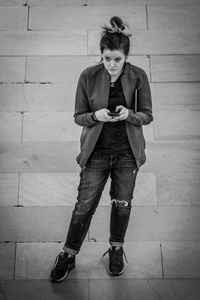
x=112, y=63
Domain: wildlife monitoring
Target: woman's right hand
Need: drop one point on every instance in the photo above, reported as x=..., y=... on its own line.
x=102, y=115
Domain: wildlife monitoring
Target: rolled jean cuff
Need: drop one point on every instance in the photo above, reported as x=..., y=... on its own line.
x=116, y=244
x=70, y=251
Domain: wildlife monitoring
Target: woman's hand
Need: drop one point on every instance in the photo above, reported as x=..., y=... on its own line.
x=102, y=115
x=123, y=113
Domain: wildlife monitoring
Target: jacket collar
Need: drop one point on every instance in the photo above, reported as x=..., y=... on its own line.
x=127, y=86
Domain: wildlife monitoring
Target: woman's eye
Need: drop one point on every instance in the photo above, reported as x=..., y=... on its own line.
x=107, y=58
x=117, y=59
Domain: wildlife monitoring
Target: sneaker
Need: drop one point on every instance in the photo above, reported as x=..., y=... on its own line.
x=62, y=266
x=116, y=262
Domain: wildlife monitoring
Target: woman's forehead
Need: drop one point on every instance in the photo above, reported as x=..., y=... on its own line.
x=113, y=53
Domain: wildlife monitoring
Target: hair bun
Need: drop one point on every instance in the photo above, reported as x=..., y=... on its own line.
x=116, y=22
x=117, y=26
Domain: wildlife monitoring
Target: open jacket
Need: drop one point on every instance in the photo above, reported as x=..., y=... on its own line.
x=92, y=94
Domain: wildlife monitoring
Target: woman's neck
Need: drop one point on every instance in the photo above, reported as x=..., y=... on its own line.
x=114, y=78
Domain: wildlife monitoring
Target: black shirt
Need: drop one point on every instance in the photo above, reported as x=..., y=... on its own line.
x=113, y=137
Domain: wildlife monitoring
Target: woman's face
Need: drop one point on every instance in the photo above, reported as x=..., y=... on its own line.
x=113, y=61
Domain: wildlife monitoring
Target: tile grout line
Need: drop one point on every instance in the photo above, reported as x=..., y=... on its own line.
x=18, y=188
x=89, y=289
x=25, y=75
x=146, y=9
x=157, y=201
x=15, y=256
x=162, y=264
x=87, y=41
x=22, y=126
x=150, y=71
x=27, y=28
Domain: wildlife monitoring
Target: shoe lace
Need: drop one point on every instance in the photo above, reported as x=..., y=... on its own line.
x=116, y=255
x=61, y=259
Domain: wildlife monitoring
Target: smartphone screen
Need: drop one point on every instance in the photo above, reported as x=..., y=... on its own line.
x=113, y=114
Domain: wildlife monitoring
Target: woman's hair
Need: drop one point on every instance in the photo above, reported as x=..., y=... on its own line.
x=115, y=37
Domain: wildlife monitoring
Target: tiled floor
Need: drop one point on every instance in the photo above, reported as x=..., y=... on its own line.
x=108, y=289
x=44, y=46
x=153, y=271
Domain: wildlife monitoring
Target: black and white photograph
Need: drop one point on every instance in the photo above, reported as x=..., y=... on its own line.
x=100, y=149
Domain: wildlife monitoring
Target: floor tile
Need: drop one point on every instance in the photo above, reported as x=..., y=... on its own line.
x=36, y=97
x=164, y=2
x=11, y=97
x=125, y=289
x=142, y=289
x=12, y=2
x=7, y=256
x=108, y=289
x=35, y=260
x=56, y=2
x=48, y=189
x=116, y=2
x=10, y=126
x=179, y=223
x=37, y=157
x=186, y=288
x=13, y=18
x=49, y=97
x=176, y=68
x=144, y=261
x=8, y=189
x=21, y=224
x=181, y=259
x=172, y=156
x=168, y=17
x=178, y=188
x=68, y=18
x=13, y=69
x=174, y=96
x=171, y=289
x=43, y=290
x=25, y=43
x=51, y=126
x=58, y=68
x=176, y=125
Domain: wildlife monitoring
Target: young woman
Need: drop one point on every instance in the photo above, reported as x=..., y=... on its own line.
x=113, y=101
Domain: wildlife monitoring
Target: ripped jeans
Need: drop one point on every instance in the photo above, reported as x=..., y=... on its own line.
x=122, y=170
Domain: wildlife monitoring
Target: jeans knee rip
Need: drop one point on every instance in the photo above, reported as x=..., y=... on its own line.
x=120, y=203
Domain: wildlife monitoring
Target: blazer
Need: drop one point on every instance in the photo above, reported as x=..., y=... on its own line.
x=92, y=94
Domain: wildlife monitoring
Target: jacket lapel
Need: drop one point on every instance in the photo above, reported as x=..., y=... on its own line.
x=129, y=87
x=99, y=90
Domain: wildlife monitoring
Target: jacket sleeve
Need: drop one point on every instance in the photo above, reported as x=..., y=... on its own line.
x=82, y=112
x=143, y=114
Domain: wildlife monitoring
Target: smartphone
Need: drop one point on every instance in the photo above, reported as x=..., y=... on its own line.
x=114, y=114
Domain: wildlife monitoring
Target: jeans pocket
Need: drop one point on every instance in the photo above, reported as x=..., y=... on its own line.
x=128, y=160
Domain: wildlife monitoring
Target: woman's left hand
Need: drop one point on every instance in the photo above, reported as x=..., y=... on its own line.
x=123, y=112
